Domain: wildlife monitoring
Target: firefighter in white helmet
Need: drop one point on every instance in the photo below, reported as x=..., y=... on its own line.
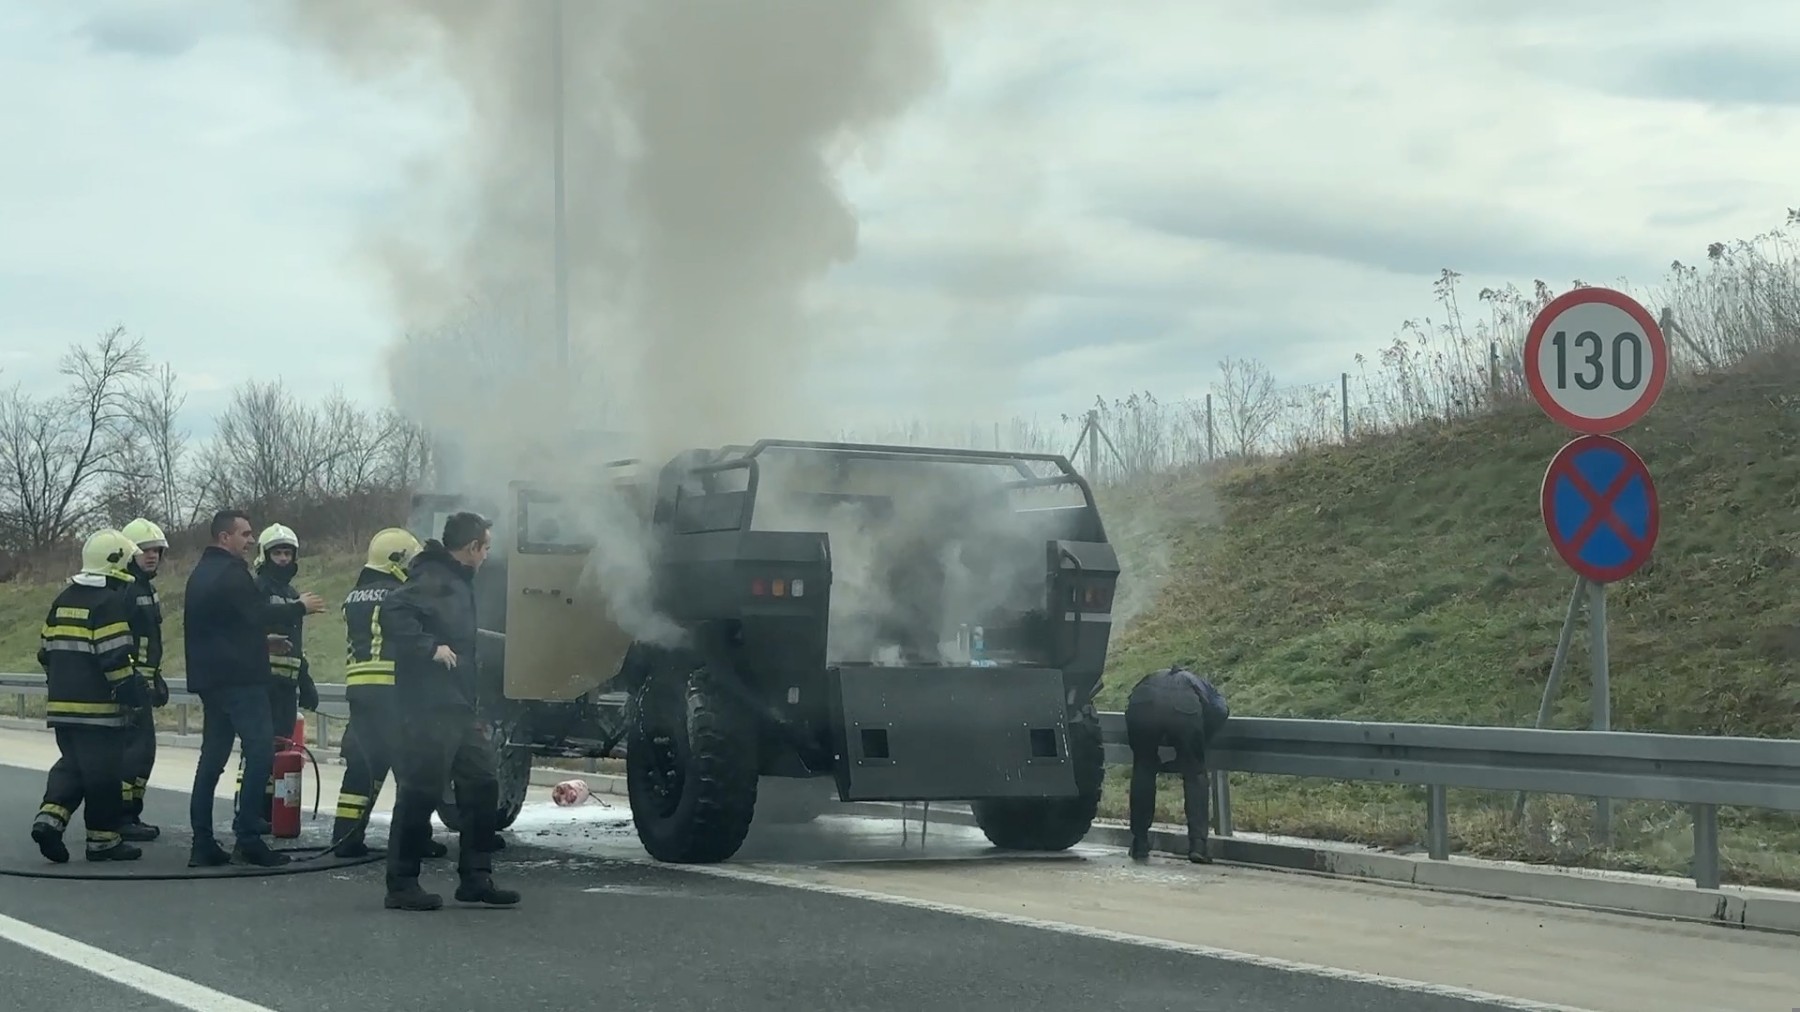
x=92, y=688
x=369, y=687
x=291, y=689
x=146, y=628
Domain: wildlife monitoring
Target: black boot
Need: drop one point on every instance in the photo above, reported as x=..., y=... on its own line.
x=478, y=887
x=139, y=831
x=407, y=894
x=207, y=854
x=1140, y=846
x=114, y=852
x=49, y=840
x=258, y=853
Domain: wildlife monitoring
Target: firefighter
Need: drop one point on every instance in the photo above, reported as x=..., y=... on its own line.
x=429, y=624
x=291, y=688
x=87, y=650
x=146, y=626
x=1177, y=708
x=369, y=688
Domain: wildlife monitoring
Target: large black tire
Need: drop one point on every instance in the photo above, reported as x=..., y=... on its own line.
x=690, y=769
x=1051, y=824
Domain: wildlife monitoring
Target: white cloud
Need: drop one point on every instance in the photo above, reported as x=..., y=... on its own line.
x=1104, y=198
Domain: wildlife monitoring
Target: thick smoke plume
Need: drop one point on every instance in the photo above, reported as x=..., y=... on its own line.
x=700, y=145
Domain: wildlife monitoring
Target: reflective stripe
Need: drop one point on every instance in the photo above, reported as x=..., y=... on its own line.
x=65, y=611
x=57, y=812
x=349, y=812
x=368, y=679
x=58, y=706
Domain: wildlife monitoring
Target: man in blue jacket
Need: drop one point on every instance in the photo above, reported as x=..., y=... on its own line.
x=1177, y=708
x=226, y=635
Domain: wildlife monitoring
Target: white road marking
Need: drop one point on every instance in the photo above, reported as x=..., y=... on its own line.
x=1082, y=931
x=177, y=991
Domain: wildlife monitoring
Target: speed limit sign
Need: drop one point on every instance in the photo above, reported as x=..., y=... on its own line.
x=1596, y=360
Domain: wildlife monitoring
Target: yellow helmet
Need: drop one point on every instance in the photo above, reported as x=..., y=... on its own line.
x=277, y=536
x=106, y=553
x=145, y=534
x=392, y=548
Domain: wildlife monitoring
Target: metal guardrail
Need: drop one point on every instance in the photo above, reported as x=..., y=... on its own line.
x=1702, y=772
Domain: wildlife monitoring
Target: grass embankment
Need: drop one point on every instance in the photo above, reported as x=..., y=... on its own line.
x=1409, y=578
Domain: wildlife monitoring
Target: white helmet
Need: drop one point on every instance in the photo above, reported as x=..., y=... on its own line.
x=146, y=534
x=278, y=536
x=106, y=553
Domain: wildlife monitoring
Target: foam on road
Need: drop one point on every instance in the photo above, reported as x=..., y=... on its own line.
x=816, y=914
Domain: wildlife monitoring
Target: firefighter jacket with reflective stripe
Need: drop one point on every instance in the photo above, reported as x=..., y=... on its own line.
x=369, y=665
x=291, y=666
x=146, y=622
x=86, y=649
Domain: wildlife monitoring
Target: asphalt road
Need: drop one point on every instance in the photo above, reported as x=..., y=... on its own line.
x=590, y=929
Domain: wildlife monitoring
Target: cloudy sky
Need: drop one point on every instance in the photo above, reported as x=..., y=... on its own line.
x=1095, y=198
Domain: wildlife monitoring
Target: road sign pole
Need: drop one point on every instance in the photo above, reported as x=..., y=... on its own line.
x=1601, y=694
x=1558, y=665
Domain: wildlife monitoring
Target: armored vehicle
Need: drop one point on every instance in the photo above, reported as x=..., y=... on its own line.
x=897, y=623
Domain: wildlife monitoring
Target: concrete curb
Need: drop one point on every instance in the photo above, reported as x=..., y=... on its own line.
x=1617, y=892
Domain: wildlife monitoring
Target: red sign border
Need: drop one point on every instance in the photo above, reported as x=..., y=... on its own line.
x=1659, y=371
x=1562, y=464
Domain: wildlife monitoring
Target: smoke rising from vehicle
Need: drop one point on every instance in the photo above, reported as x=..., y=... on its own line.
x=702, y=205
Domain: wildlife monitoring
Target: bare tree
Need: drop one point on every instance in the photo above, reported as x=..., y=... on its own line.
x=59, y=452
x=158, y=447
x=1248, y=403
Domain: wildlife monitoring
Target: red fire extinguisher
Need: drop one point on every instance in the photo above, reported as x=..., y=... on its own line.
x=290, y=761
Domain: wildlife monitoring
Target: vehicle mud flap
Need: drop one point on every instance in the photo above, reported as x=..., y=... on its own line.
x=1049, y=824
x=931, y=733
x=691, y=767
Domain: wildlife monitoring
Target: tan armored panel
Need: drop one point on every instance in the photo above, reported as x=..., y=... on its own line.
x=561, y=637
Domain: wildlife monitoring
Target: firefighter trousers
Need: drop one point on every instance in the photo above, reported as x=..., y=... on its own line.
x=432, y=748
x=88, y=772
x=369, y=740
x=1147, y=729
x=140, y=759
x=284, y=709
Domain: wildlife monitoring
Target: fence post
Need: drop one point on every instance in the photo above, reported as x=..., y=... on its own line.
x=1437, y=823
x=181, y=718
x=1221, y=788
x=1344, y=401
x=1706, y=846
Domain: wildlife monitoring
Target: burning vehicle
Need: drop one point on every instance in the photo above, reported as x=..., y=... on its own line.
x=901, y=623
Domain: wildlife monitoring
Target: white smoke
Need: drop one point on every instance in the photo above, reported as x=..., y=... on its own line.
x=701, y=144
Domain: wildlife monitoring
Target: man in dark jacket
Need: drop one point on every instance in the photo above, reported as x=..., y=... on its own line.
x=146, y=626
x=429, y=625
x=226, y=637
x=1177, y=708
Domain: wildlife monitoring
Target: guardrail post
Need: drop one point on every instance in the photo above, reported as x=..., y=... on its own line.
x=1437, y=823
x=1706, y=846
x=324, y=729
x=181, y=718
x=1221, y=788
x=20, y=699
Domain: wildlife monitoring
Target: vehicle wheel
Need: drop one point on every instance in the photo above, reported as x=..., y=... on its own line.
x=1047, y=824
x=690, y=769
